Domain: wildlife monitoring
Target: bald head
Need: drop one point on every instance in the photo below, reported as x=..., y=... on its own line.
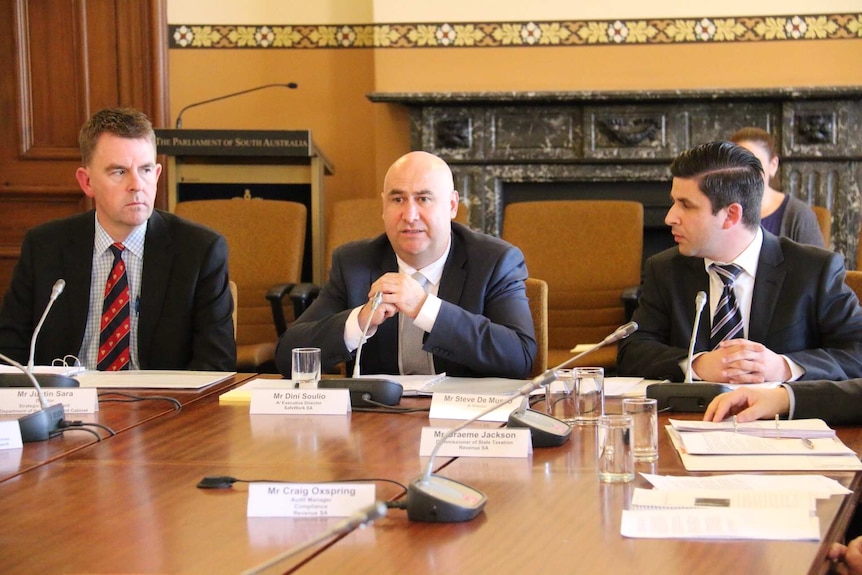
x=419, y=203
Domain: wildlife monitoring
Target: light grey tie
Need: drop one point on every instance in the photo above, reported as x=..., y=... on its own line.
x=412, y=359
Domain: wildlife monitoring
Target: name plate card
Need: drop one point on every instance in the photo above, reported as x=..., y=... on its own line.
x=26, y=400
x=477, y=442
x=467, y=405
x=280, y=401
x=10, y=435
x=308, y=499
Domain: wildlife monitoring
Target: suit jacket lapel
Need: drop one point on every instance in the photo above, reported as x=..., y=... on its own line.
x=767, y=287
x=158, y=261
x=78, y=272
x=696, y=279
x=454, y=275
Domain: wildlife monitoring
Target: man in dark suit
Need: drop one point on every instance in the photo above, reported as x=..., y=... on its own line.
x=473, y=316
x=798, y=318
x=178, y=297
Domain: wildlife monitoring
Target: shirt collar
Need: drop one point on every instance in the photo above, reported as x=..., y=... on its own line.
x=433, y=271
x=748, y=259
x=134, y=242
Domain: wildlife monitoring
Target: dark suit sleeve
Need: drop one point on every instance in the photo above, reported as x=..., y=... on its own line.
x=213, y=345
x=650, y=352
x=500, y=341
x=836, y=402
x=837, y=353
x=321, y=325
x=17, y=315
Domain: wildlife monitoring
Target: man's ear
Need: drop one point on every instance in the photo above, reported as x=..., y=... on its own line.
x=733, y=215
x=83, y=177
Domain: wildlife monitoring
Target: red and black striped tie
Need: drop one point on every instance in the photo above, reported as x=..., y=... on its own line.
x=115, y=328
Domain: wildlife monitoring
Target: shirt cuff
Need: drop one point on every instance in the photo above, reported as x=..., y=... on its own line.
x=428, y=313
x=352, y=330
x=792, y=409
x=796, y=370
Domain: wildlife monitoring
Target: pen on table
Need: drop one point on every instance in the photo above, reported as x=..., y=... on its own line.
x=735, y=425
x=807, y=443
x=777, y=428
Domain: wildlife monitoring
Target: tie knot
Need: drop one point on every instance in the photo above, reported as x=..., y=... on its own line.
x=423, y=281
x=728, y=273
x=117, y=248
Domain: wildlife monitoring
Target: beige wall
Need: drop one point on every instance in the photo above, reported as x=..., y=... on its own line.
x=362, y=139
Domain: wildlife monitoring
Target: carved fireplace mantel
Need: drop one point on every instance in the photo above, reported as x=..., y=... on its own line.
x=624, y=141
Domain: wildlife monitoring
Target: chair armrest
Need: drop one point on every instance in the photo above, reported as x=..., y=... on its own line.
x=275, y=295
x=302, y=295
x=630, y=300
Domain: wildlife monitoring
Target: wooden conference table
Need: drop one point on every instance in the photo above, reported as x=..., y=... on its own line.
x=129, y=504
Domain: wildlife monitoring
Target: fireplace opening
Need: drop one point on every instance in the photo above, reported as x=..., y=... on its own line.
x=655, y=197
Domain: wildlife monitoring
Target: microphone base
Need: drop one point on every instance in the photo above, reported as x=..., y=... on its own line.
x=43, y=379
x=685, y=397
x=437, y=499
x=545, y=430
x=383, y=391
x=43, y=424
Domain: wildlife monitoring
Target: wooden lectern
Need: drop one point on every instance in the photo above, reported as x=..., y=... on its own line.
x=250, y=157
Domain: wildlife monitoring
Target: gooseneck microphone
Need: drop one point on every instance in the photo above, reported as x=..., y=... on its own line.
x=434, y=498
x=687, y=396
x=45, y=423
x=357, y=519
x=546, y=430
x=291, y=85
x=699, y=302
x=367, y=392
x=58, y=288
x=375, y=303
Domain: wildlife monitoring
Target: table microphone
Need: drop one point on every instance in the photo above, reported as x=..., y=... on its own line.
x=434, y=498
x=699, y=302
x=546, y=430
x=359, y=518
x=46, y=379
x=45, y=423
x=291, y=85
x=367, y=391
x=687, y=396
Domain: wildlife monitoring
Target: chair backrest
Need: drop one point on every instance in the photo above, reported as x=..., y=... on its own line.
x=537, y=293
x=588, y=252
x=854, y=280
x=359, y=219
x=824, y=220
x=266, y=240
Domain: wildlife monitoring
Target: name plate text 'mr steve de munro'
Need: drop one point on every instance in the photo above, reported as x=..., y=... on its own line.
x=234, y=142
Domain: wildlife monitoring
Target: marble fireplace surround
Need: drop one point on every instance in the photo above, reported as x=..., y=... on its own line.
x=617, y=145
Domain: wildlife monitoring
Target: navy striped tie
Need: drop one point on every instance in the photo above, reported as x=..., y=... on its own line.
x=727, y=321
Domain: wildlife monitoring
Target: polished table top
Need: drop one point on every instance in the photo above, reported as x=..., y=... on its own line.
x=114, y=412
x=129, y=504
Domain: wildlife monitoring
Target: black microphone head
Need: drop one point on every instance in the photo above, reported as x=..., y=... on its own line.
x=292, y=85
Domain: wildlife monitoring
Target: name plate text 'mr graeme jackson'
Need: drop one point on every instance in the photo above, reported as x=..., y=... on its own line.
x=295, y=143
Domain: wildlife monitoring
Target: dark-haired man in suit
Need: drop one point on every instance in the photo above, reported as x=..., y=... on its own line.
x=778, y=310
x=144, y=288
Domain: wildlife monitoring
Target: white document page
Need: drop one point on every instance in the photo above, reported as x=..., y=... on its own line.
x=762, y=428
x=790, y=462
x=154, y=379
x=720, y=498
x=730, y=443
x=820, y=486
x=721, y=523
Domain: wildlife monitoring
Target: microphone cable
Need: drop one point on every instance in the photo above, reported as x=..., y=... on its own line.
x=81, y=426
x=226, y=481
x=130, y=398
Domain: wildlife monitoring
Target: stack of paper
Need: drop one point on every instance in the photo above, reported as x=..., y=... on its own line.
x=729, y=507
x=804, y=445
